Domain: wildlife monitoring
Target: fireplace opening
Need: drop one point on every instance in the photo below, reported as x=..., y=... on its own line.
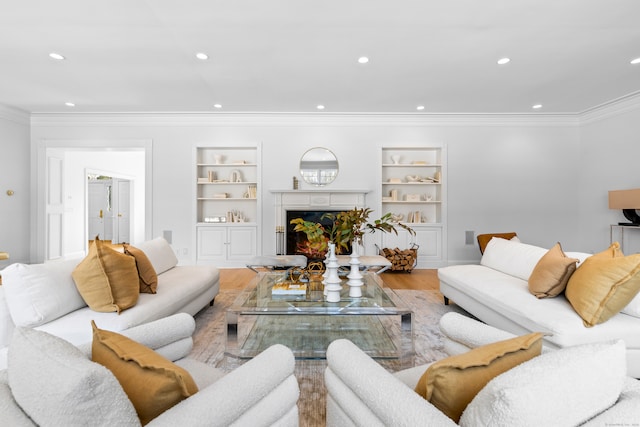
x=294, y=238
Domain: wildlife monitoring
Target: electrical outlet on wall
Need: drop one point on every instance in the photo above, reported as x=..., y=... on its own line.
x=469, y=237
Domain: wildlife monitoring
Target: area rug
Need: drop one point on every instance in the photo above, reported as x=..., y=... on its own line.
x=210, y=336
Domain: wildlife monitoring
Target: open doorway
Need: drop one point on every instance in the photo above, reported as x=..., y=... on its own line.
x=62, y=167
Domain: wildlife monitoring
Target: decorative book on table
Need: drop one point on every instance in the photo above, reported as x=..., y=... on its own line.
x=289, y=288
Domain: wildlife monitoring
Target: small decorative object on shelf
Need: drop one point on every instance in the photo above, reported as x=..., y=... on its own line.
x=295, y=183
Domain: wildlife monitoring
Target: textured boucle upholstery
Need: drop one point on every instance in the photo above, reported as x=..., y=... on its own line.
x=12, y=414
x=379, y=399
x=362, y=393
x=261, y=392
x=55, y=384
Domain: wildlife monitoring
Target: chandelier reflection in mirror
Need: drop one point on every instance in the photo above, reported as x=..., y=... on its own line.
x=318, y=166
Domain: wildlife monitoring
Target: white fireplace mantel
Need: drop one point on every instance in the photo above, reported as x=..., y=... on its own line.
x=287, y=200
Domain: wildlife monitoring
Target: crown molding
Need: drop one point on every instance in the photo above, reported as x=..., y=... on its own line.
x=14, y=115
x=614, y=107
x=298, y=119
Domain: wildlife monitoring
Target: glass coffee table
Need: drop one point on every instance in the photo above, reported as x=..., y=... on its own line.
x=378, y=322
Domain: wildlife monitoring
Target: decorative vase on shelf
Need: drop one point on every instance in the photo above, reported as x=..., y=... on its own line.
x=355, y=276
x=332, y=282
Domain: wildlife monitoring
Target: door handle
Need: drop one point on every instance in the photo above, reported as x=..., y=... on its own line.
x=100, y=213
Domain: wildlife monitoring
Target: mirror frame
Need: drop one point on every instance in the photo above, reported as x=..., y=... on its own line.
x=319, y=166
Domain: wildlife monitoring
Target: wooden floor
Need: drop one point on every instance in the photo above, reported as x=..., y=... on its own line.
x=237, y=278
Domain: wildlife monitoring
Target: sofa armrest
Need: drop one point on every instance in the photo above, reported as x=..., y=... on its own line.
x=363, y=393
x=262, y=392
x=6, y=321
x=170, y=336
x=463, y=333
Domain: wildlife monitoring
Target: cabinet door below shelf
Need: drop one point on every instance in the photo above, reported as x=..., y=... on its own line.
x=211, y=245
x=242, y=244
x=226, y=245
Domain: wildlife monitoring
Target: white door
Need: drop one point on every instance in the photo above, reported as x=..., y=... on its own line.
x=96, y=210
x=122, y=209
x=54, y=208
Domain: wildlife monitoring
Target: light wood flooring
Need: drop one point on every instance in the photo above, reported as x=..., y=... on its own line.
x=425, y=279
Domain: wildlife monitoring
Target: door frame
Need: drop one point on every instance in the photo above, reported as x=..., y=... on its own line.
x=39, y=238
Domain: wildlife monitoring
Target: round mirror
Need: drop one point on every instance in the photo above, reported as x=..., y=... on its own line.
x=318, y=166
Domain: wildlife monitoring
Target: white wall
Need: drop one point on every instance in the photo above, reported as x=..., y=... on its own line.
x=506, y=173
x=14, y=175
x=609, y=160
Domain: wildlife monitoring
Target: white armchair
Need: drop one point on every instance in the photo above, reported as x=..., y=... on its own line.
x=360, y=392
x=262, y=392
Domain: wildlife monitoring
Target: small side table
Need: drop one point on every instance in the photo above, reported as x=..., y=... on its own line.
x=618, y=229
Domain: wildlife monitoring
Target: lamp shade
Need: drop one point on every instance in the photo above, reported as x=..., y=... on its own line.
x=624, y=199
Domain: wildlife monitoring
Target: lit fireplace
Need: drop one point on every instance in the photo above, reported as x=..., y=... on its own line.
x=293, y=238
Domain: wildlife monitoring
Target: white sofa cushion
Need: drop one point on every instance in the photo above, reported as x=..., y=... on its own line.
x=563, y=387
x=55, y=384
x=159, y=253
x=633, y=308
x=39, y=293
x=511, y=257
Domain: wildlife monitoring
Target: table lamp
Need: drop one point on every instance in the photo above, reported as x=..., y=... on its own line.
x=628, y=201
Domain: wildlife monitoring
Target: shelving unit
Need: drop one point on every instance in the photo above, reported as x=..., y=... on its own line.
x=413, y=190
x=227, y=204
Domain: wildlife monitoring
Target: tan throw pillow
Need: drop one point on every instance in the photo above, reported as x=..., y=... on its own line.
x=107, y=279
x=451, y=383
x=146, y=272
x=152, y=383
x=550, y=275
x=603, y=285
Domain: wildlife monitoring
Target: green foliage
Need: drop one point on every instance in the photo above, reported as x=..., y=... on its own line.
x=317, y=242
x=347, y=227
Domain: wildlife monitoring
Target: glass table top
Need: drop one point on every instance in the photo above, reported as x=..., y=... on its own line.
x=376, y=298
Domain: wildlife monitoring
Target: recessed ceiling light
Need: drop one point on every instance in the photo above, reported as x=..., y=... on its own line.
x=635, y=61
x=56, y=56
x=420, y=107
x=537, y=106
x=69, y=104
x=202, y=56
x=320, y=107
x=217, y=105
x=503, y=61
x=363, y=60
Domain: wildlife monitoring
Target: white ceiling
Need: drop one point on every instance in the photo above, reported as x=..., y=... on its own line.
x=291, y=55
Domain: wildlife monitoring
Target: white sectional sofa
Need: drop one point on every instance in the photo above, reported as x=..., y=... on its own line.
x=496, y=292
x=45, y=297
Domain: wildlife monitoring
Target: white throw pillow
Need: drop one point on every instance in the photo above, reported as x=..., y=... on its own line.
x=39, y=293
x=159, y=253
x=55, y=384
x=512, y=257
x=633, y=308
x=562, y=388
